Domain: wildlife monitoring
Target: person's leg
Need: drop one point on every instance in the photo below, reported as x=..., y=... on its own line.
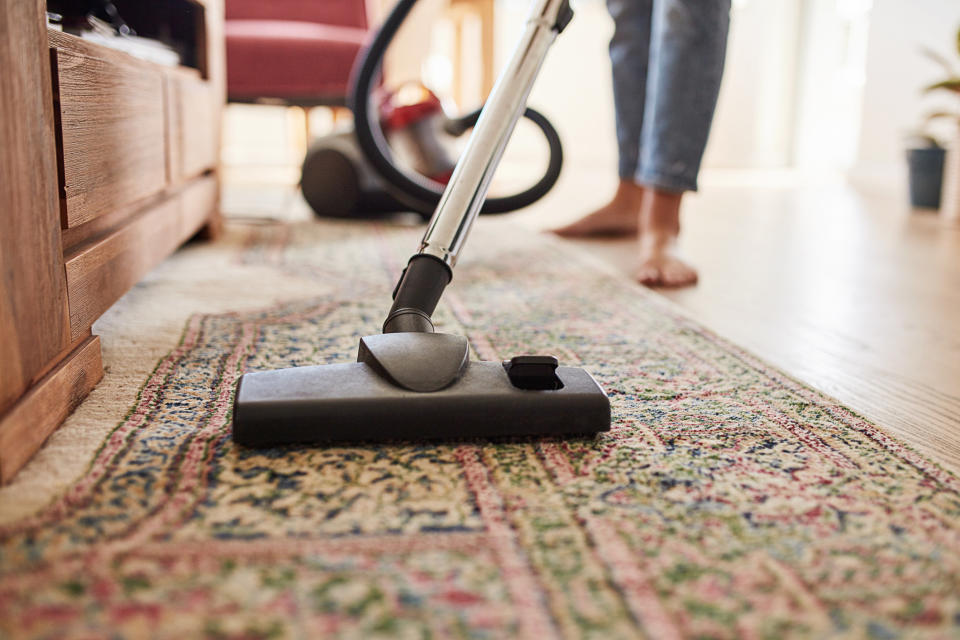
x=629, y=52
x=687, y=50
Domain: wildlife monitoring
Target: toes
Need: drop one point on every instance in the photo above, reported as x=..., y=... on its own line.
x=649, y=275
x=665, y=273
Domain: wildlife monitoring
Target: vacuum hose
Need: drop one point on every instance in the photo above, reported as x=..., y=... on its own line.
x=418, y=192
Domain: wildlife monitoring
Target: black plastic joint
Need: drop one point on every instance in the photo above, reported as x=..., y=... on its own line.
x=564, y=17
x=417, y=294
x=408, y=320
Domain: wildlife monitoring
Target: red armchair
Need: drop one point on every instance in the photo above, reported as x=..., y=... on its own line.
x=297, y=51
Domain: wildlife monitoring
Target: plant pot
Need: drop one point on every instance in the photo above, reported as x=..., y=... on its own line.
x=926, y=177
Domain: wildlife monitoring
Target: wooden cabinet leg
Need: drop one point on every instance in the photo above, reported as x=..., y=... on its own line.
x=213, y=227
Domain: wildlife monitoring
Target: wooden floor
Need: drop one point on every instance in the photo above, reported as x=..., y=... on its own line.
x=851, y=294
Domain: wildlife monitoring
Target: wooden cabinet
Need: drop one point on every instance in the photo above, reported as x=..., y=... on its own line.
x=107, y=165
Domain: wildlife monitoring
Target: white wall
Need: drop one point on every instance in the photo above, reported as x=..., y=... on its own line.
x=753, y=125
x=830, y=80
x=895, y=73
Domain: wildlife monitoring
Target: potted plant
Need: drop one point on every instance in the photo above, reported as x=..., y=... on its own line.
x=926, y=158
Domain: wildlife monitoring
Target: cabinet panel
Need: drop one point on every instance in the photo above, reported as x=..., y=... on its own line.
x=112, y=130
x=198, y=205
x=33, y=300
x=193, y=121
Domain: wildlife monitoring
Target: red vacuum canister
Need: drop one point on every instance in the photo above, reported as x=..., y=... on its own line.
x=336, y=179
x=412, y=118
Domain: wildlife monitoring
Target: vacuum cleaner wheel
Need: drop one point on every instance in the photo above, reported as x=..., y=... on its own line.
x=330, y=183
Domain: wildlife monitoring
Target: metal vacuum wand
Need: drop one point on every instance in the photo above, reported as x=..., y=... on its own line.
x=430, y=270
x=468, y=186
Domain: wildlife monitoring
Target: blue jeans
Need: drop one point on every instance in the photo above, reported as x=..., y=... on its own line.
x=667, y=58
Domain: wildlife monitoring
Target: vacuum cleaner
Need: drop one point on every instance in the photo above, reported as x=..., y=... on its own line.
x=353, y=173
x=409, y=382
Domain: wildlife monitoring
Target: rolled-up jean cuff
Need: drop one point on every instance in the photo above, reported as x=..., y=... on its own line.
x=666, y=181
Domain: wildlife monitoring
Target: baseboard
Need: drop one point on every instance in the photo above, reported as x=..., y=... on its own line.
x=25, y=428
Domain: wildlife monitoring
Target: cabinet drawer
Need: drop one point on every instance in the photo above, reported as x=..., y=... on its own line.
x=112, y=130
x=194, y=123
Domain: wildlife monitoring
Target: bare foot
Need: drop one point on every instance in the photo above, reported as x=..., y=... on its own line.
x=618, y=218
x=659, y=265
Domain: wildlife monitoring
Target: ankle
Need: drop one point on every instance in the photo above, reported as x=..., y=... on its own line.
x=629, y=194
x=660, y=213
x=656, y=241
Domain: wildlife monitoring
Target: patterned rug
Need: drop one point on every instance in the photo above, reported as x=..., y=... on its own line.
x=727, y=501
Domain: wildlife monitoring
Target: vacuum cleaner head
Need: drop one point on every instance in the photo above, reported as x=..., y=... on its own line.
x=415, y=386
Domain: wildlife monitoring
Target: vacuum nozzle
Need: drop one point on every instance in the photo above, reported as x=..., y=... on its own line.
x=373, y=399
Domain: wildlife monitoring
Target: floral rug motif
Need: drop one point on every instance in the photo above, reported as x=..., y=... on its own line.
x=727, y=501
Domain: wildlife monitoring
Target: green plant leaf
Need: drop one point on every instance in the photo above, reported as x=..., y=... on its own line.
x=951, y=84
x=936, y=115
